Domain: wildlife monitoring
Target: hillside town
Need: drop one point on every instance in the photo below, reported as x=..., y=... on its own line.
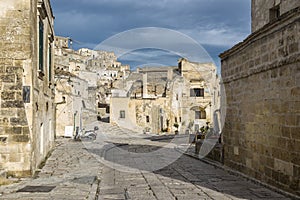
x=51, y=95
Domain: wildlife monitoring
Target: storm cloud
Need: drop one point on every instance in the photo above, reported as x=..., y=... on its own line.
x=215, y=24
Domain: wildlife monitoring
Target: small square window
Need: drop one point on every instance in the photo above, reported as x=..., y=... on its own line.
x=274, y=13
x=122, y=114
x=197, y=92
x=200, y=114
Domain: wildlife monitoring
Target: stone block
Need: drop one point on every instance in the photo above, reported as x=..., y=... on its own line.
x=295, y=158
x=284, y=179
x=12, y=104
x=7, y=112
x=19, y=138
x=236, y=150
x=296, y=171
x=14, y=157
x=13, y=130
x=8, y=95
x=13, y=69
x=4, y=121
x=19, y=96
x=290, y=119
x=25, y=131
x=295, y=92
x=275, y=175
x=4, y=157
x=294, y=184
x=18, y=121
x=8, y=78
x=284, y=167
x=293, y=48
x=295, y=132
x=17, y=86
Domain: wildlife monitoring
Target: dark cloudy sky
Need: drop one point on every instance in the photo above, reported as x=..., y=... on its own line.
x=215, y=24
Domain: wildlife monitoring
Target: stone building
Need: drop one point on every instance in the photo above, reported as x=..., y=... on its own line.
x=262, y=81
x=109, y=71
x=77, y=86
x=27, y=105
x=70, y=90
x=84, y=78
x=154, y=99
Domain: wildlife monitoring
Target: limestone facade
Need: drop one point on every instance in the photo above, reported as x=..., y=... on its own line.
x=27, y=117
x=154, y=99
x=84, y=78
x=262, y=81
x=75, y=88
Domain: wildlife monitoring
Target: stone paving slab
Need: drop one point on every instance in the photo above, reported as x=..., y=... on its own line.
x=75, y=171
x=71, y=169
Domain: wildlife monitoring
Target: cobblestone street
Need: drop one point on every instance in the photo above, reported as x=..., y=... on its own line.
x=117, y=166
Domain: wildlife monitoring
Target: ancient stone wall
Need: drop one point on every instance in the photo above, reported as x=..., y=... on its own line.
x=262, y=82
x=26, y=100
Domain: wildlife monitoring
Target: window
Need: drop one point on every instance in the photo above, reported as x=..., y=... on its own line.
x=274, y=13
x=122, y=114
x=41, y=45
x=200, y=114
x=197, y=92
x=147, y=119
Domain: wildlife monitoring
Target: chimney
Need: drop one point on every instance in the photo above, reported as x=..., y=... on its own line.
x=145, y=89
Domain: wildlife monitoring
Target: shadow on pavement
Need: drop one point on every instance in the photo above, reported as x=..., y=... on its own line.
x=185, y=170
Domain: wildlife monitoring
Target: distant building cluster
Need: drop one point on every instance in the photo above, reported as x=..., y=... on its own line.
x=167, y=99
x=152, y=99
x=83, y=78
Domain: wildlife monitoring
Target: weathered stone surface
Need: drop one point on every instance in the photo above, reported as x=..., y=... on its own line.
x=12, y=104
x=8, y=78
x=13, y=130
x=7, y=95
x=18, y=121
x=19, y=138
x=19, y=63
x=262, y=101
